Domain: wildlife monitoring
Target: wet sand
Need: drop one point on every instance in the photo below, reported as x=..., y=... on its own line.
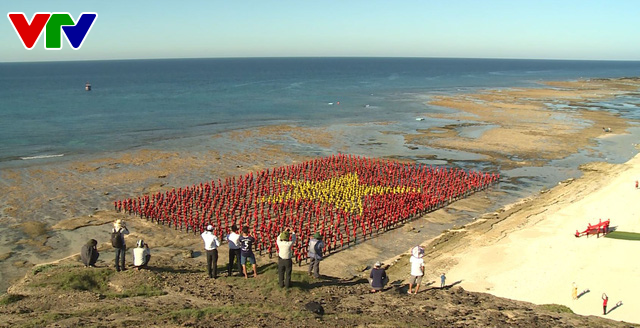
x=50, y=210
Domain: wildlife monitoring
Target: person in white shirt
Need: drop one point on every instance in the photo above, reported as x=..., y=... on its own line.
x=211, y=244
x=417, y=269
x=141, y=255
x=234, y=249
x=284, y=241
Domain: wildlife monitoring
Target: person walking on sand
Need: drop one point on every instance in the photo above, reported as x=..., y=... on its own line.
x=89, y=253
x=118, y=242
x=442, y=280
x=378, y=277
x=141, y=255
x=234, y=250
x=285, y=241
x=211, y=244
x=246, y=253
x=316, y=245
x=574, y=291
x=605, y=300
x=417, y=269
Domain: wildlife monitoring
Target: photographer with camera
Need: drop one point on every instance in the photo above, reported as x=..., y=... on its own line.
x=285, y=241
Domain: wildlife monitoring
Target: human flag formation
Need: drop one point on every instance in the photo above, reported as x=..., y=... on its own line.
x=343, y=197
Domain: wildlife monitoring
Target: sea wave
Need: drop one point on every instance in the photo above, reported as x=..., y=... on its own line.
x=40, y=156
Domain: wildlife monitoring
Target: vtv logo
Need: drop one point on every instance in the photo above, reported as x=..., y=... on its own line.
x=29, y=33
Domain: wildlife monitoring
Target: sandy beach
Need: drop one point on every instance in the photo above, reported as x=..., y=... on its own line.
x=533, y=256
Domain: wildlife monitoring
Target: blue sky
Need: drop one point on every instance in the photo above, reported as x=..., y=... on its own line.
x=539, y=29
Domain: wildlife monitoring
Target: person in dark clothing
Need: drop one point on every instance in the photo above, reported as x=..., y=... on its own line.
x=378, y=278
x=89, y=253
x=120, y=227
x=246, y=252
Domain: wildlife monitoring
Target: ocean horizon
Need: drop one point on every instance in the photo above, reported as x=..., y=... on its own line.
x=46, y=112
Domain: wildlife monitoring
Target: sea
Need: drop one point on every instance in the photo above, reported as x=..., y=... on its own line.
x=46, y=114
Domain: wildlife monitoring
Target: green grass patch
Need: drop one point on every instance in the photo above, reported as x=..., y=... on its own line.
x=254, y=310
x=208, y=312
x=95, y=280
x=90, y=280
x=105, y=310
x=42, y=268
x=623, y=235
x=10, y=298
x=139, y=290
x=557, y=308
x=46, y=319
x=267, y=282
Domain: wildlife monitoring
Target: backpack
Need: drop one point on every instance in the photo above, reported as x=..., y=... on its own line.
x=315, y=250
x=116, y=239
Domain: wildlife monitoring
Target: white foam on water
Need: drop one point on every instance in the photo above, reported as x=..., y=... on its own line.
x=40, y=157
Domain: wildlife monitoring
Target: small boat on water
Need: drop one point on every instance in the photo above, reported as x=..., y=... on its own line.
x=87, y=86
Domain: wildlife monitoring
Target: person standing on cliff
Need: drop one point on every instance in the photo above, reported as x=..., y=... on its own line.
x=234, y=250
x=286, y=239
x=417, y=269
x=316, y=245
x=211, y=244
x=605, y=300
x=246, y=252
x=117, y=241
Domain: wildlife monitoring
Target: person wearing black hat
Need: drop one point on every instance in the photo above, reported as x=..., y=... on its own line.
x=284, y=241
x=316, y=245
x=211, y=244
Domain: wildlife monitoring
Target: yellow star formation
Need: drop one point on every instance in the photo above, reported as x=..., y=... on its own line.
x=344, y=192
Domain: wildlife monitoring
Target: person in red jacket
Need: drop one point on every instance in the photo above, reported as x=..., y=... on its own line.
x=605, y=299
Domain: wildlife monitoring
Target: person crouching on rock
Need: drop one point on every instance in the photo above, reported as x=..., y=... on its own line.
x=141, y=255
x=89, y=253
x=378, y=278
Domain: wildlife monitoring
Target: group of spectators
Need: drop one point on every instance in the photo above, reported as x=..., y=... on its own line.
x=141, y=253
x=241, y=251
